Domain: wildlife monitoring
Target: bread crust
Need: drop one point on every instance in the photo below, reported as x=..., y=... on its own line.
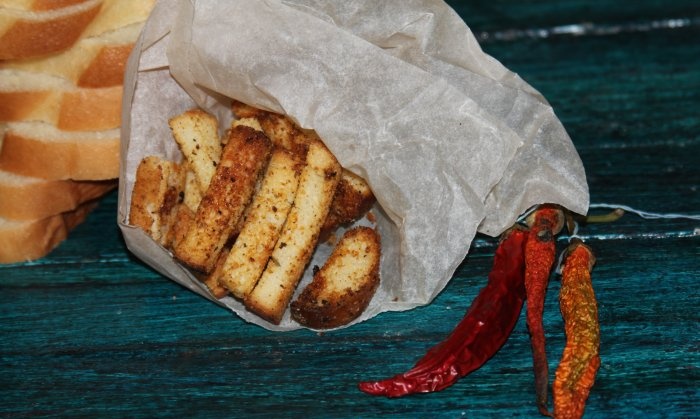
x=29, y=240
x=25, y=199
x=40, y=5
x=39, y=150
x=343, y=287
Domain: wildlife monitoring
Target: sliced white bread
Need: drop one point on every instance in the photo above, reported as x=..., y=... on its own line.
x=24, y=198
x=39, y=97
x=28, y=240
x=44, y=31
x=97, y=61
x=31, y=33
x=38, y=149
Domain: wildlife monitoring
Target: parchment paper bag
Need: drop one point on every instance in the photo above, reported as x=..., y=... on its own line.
x=450, y=141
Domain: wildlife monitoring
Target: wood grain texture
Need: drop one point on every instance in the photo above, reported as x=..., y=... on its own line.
x=91, y=331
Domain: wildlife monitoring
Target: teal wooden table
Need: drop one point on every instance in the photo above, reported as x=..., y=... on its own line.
x=91, y=331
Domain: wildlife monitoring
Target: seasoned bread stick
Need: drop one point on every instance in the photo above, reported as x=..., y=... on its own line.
x=243, y=161
x=274, y=290
x=266, y=216
x=342, y=288
x=155, y=196
x=353, y=197
x=279, y=128
x=196, y=133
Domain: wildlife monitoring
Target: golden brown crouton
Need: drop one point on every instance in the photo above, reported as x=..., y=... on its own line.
x=261, y=229
x=343, y=287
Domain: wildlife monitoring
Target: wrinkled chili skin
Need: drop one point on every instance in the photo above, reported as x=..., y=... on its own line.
x=540, y=254
x=479, y=335
x=580, y=360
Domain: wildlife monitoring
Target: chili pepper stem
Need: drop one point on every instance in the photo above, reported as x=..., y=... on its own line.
x=610, y=217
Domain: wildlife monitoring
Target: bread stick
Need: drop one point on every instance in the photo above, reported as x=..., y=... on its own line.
x=267, y=214
x=155, y=196
x=243, y=160
x=196, y=133
x=319, y=178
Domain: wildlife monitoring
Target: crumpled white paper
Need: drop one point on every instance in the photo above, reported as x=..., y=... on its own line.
x=450, y=140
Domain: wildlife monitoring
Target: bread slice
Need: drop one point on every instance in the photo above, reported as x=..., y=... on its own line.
x=299, y=236
x=243, y=161
x=27, y=240
x=261, y=229
x=91, y=62
x=343, y=287
x=157, y=191
x=27, y=33
x=39, y=97
x=26, y=198
x=38, y=149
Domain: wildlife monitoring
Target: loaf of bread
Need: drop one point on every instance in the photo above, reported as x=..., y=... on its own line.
x=62, y=66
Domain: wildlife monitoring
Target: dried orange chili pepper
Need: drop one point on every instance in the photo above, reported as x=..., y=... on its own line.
x=478, y=336
x=540, y=253
x=579, y=364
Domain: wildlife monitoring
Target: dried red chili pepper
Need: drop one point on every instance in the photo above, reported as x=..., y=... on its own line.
x=540, y=254
x=580, y=360
x=478, y=336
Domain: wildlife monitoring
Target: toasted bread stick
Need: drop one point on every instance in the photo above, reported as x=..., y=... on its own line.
x=274, y=290
x=243, y=161
x=196, y=133
x=155, y=196
x=353, y=197
x=265, y=218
